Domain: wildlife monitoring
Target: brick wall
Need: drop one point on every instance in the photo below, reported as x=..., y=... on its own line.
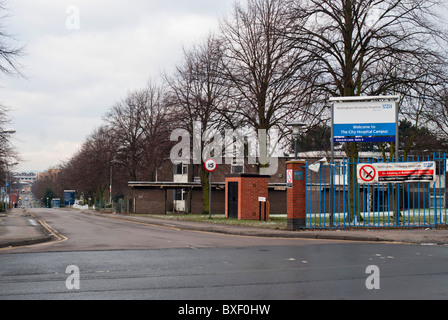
x=149, y=201
x=152, y=201
x=250, y=188
x=278, y=201
x=218, y=203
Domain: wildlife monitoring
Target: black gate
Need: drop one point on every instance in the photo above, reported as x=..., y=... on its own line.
x=233, y=200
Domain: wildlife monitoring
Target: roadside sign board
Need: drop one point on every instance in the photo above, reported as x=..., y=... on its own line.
x=364, y=121
x=210, y=165
x=396, y=172
x=69, y=197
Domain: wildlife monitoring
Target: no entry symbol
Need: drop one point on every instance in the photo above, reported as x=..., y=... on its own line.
x=367, y=173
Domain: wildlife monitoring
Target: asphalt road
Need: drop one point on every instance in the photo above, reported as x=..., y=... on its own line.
x=115, y=259
x=84, y=232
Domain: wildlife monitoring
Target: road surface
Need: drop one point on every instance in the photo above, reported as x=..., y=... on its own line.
x=104, y=258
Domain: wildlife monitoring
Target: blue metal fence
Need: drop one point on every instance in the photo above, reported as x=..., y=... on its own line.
x=334, y=198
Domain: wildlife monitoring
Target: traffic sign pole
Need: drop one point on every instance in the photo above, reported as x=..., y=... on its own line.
x=210, y=195
x=210, y=165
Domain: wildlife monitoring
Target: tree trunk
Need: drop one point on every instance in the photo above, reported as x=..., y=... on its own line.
x=205, y=191
x=351, y=150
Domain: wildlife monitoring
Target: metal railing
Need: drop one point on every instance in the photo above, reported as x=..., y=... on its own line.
x=335, y=199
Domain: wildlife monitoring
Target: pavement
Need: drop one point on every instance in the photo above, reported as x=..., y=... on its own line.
x=19, y=227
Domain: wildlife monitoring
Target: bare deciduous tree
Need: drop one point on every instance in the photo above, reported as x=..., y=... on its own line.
x=127, y=120
x=437, y=115
x=88, y=171
x=262, y=67
x=200, y=98
x=157, y=129
x=370, y=47
x=10, y=54
x=8, y=154
x=131, y=144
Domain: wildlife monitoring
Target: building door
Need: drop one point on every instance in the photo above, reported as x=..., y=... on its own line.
x=232, y=200
x=179, y=200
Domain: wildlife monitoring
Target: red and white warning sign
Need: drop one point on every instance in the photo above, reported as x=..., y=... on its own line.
x=396, y=172
x=289, y=174
x=289, y=177
x=367, y=173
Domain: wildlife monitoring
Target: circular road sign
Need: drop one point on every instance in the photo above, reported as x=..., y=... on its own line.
x=367, y=173
x=210, y=165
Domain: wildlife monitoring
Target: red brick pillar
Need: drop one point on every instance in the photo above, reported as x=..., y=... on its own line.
x=296, y=195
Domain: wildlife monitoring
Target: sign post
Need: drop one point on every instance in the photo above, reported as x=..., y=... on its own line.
x=364, y=119
x=260, y=201
x=210, y=165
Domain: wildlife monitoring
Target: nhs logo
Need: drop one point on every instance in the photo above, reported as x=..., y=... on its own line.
x=428, y=164
x=387, y=106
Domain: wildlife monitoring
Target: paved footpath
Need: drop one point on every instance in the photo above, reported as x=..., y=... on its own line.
x=18, y=228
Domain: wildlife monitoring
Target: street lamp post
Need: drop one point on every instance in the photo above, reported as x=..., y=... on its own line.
x=296, y=126
x=110, y=185
x=111, y=164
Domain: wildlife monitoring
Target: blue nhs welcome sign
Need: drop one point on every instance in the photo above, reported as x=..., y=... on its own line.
x=364, y=121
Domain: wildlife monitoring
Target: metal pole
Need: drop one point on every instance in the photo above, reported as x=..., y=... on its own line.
x=296, y=140
x=110, y=186
x=332, y=200
x=210, y=196
x=265, y=204
x=332, y=134
x=8, y=194
x=397, y=139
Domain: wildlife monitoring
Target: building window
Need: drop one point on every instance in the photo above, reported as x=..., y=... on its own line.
x=179, y=194
x=235, y=169
x=181, y=169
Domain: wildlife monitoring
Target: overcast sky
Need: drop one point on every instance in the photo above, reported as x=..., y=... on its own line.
x=76, y=71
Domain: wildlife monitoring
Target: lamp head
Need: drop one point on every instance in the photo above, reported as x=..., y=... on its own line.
x=296, y=126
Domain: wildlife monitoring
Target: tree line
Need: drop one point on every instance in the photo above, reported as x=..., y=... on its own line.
x=10, y=54
x=269, y=63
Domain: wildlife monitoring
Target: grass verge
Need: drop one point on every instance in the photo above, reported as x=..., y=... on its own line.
x=275, y=222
